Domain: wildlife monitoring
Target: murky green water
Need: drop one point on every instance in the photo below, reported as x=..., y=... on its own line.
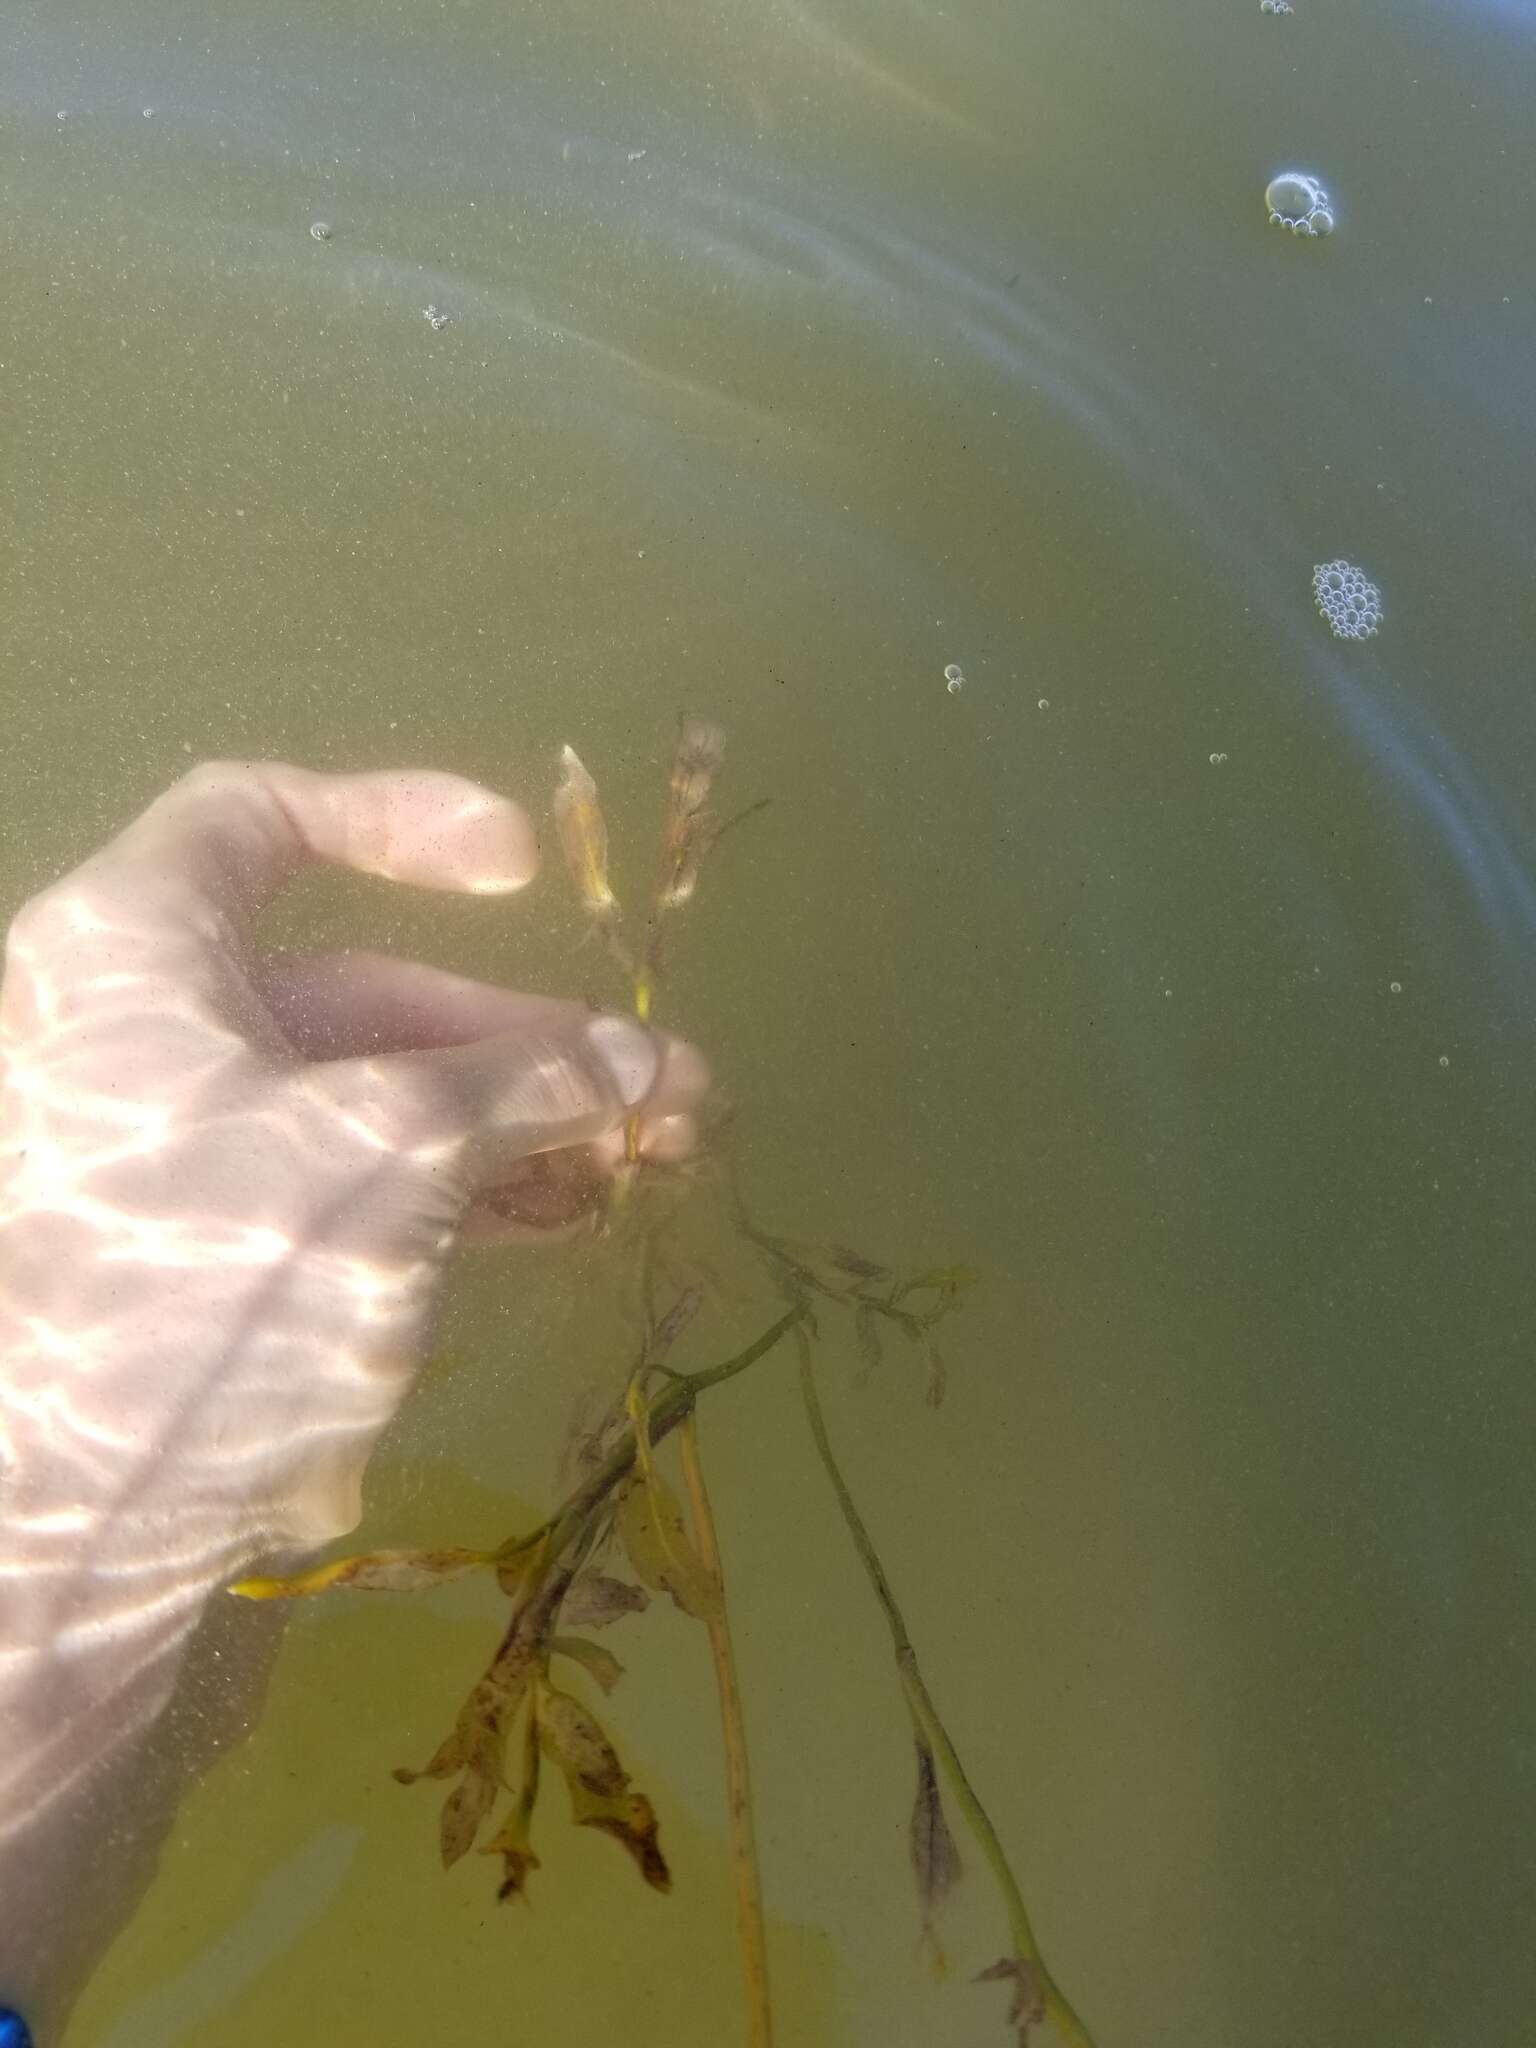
x=1176, y=970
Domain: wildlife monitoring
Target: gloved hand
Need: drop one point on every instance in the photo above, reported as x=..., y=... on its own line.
x=229, y=1184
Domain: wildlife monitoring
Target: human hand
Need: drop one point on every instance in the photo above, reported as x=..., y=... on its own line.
x=229, y=1184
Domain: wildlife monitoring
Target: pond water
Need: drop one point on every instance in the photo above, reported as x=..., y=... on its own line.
x=440, y=382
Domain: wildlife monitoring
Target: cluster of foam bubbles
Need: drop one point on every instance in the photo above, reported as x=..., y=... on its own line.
x=1276, y=7
x=1297, y=201
x=1347, y=599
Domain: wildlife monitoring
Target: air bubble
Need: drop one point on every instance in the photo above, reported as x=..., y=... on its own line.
x=321, y=230
x=1276, y=7
x=954, y=678
x=1217, y=759
x=1044, y=704
x=1296, y=200
x=436, y=319
x=1347, y=599
x=1395, y=988
x=1445, y=1059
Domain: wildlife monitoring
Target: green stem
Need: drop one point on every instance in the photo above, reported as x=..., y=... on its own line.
x=925, y=1716
x=669, y=1409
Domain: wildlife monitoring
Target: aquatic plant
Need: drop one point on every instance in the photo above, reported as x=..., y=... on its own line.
x=562, y=1579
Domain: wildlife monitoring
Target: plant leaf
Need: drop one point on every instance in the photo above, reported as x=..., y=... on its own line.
x=511, y=1841
x=935, y=1859
x=599, y=1784
x=673, y=1323
x=596, y=1599
x=866, y=1328
x=465, y=1808
x=597, y=1662
x=650, y=1523
x=375, y=1571
x=855, y=1263
x=1027, y=2007
x=938, y=1377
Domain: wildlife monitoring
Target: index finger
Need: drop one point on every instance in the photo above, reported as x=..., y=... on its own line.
x=235, y=832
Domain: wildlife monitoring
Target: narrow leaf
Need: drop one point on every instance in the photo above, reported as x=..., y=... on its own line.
x=1027, y=2006
x=511, y=1840
x=855, y=1263
x=596, y=1599
x=464, y=1809
x=650, y=1524
x=599, y=1785
x=673, y=1323
x=597, y=1662
x=583, y=834
x=938, y=1377
x=866, y=1328
x=573, y=1739
x=935, y=1860
x=377, y=1571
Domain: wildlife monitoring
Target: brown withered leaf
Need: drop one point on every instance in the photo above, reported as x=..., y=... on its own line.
x=631, y=1820
x=1027, y=2006
x=511, y=1840
x=938, y=1377
x=855, y=1263
x=866, y=1328
x=596, y=1599
x=466, y=1807
x=511, y=1844
x=673, y=1323
x=597, y=1662
x=935, y=1860
x=573, y=1739
x=651, y=1526
x=599, y=1784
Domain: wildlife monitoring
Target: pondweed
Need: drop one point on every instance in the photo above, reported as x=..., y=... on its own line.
x=561, y=1579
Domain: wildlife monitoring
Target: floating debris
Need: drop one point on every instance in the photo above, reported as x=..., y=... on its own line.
x=1296, y=200
x=1347, y=599
x=954, y=678
x=321, y=230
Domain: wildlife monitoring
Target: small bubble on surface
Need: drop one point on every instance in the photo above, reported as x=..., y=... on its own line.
x=1217, y=759
x=1395, y=987
x=1445, y=1059
x=1044, y=704
x=954, y=678
x=1296, y=200
x=321, y=230
x=436, y=319
x=1347, y=599
x=1276, y=7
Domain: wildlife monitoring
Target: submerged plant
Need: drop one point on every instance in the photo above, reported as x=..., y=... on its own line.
x=562, y=1580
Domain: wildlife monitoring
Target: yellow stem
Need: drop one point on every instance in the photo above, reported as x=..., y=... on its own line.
x=749, y=1889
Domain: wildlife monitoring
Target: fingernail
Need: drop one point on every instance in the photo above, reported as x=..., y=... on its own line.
x=629, y=1053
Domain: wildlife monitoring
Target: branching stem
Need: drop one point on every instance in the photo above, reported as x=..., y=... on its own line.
x=925, y=1717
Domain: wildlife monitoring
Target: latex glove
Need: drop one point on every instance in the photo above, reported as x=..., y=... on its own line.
x=228, y=1188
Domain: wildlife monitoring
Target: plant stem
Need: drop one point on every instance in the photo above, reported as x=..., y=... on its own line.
x=738, y=1784
x=666, y=1412
x=925, y=1716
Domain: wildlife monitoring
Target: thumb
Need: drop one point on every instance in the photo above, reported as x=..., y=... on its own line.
x=566, y=1077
